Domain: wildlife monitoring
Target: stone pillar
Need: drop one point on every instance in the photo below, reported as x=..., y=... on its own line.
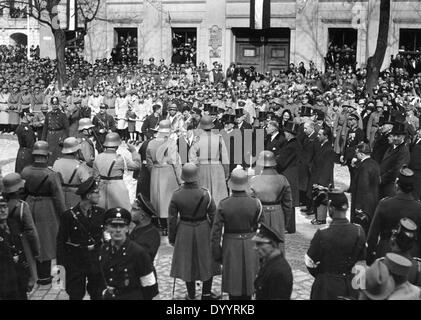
x=151, y=30
x=96, y=40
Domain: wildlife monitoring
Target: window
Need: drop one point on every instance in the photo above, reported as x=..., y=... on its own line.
x=342, y=49
x=410, y=40
x=249, y=53
x=184, y=45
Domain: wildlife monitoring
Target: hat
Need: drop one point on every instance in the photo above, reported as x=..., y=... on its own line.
x=70, y=145
x=291, y=127
x=266, y=159
x=354, y=115
x=406, y=178
x=238, y=180
x=164, y=127
x=88, y=186
x=206, y=123
x=12, y=183
x=145, y=205
x=228, y=118
x=117, y=215
x=239, y=112
x=241, y=103
x=213, y=110
x=397, y=264
x=405, y=234
x=112, y=139
x=265, y=234
x=399, y=128
x=320, y=114
x=197, y=111
x=364, y=148
x=190, y=173
x=306, y=111
x=379, y=284
x=40, y=148
x=338, y=199
x=206, y=106
x=85, y=123
x=263, y=115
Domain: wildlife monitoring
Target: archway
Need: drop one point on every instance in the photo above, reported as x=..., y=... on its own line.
x=19, y=39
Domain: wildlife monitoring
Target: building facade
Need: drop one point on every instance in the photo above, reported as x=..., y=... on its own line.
x=301, y=30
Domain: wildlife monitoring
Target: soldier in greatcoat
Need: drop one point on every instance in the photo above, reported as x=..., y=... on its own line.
x=274, y=192
x=192, y=260
x=333, y=252
x=45, y=198
x=14, y=108
x=26, y=139
x=72, y=171
x=87, y=148
x=238, y=216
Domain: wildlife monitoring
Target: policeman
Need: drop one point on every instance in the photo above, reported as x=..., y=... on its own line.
x=87, y=148
x=388, y=213
x=274, y=191
x=274, y=280
x=126, y=267
x=26, y=139
x=403, y=239
x=195, y=208
x=72, y=171
x=239, y=216
x=104, y=124
x=45, y=197
x=333, y=252
x=79, y=241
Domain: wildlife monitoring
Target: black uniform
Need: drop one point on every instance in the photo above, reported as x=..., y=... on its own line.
x=76, y=233
x=26, y=139
x=333, y=252
x=274, y=280
x=143, y=175
x=127, y=269
x=103, y=124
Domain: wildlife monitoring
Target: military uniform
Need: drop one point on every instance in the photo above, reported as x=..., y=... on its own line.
x=38, y=100
x=386, y=217
x=25, y=101
x=72, y=172
x=127, y=269
x=143, y=175
x=87, y=150
x=45, y=198
x=104, y=123
x=238, y=215
x=55, y=131
x=76, y=233
x=14, y=108
x=333, y=252
x=26, y=139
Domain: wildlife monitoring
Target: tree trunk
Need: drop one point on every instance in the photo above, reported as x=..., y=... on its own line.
x=375, y=62
x=60, y=42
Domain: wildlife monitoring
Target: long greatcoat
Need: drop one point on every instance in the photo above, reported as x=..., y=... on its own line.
x=322, y=167
x=310, y=144
x=274, y=192
x=238, y=215
x=210, y=154
x=45, y=198
x=163, y=161
x=26, y=139
x=110, y=166
x=143, y=175
x=55, y=131
x=191, y=213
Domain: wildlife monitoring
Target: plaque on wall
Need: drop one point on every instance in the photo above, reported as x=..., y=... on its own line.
x=215, y=41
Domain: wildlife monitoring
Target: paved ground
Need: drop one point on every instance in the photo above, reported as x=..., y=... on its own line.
x=296, y=244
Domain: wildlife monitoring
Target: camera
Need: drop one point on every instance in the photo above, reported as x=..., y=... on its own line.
x=320, y=195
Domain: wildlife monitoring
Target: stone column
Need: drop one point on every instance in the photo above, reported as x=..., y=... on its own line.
x=151, y=30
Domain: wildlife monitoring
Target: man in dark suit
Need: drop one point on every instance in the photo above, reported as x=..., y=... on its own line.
x=322, y=169
x=152, y=121
x=287, y=165
x=415, y=163
x=396, y=156
x=247, y=135
x=353, y=136
x=365, y=187
x=381, y=142
x=388, y=214
x=274, y=140
x=231, y=136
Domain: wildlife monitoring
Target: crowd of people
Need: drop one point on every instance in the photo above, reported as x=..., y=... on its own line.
x=223, y=156
x=184, y=49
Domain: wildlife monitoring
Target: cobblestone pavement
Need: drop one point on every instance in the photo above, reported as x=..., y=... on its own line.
x=296, y=244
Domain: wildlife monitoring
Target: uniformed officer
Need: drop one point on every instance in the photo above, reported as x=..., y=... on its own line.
x=192, y=259
x=126, y=267
x=55, y=130
x=87, y=148
x=388, y=213
x=110, y=166
x=333, y=252
x=78, y=243
x=403, y=239
x=104, y=124
x=274, y=191
x=21, y=222
x=72, y=171
x=26, y=139
x=238, y=215
x=45, y=198
x=274, y=280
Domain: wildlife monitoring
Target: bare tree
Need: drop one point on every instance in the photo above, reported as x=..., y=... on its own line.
x=47, y=13
x=374, y=63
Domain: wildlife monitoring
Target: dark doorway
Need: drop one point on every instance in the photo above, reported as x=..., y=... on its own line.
x=266, y=50
x=184, y=45
x=342, y=50
x=410, y=40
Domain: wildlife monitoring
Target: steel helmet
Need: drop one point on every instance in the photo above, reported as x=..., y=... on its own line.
x=41, y=148
x=112, y=140
x=70, y=145
x=85, y=123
